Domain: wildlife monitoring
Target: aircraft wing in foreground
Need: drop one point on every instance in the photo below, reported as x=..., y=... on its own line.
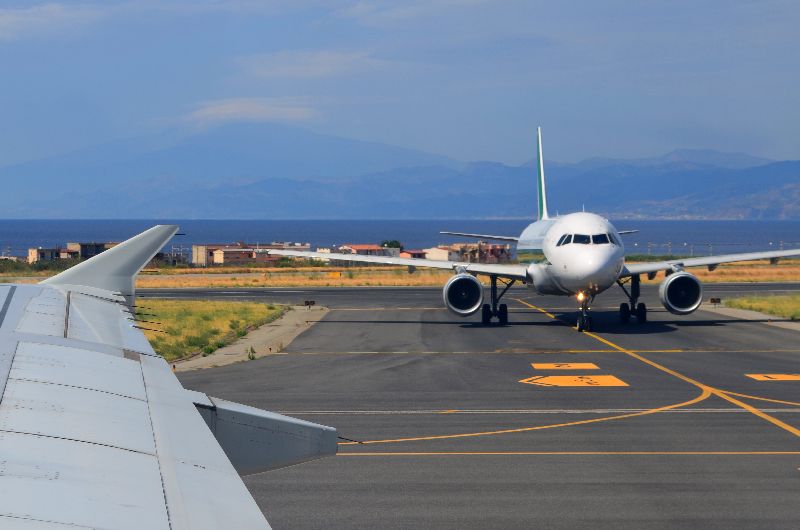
x=96, y=431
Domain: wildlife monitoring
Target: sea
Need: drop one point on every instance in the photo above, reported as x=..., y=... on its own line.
x=698, y=238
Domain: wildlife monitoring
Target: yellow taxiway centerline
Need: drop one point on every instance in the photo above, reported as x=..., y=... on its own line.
x=705, y=394
x=715, y=391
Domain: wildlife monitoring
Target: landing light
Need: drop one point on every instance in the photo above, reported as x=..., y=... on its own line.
x=581, y=297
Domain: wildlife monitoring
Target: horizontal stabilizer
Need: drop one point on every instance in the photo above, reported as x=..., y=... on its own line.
x=116, y=268
x=481, y=236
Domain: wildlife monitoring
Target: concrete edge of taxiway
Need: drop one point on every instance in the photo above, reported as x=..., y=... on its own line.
x=269, y=339
x=754, y=316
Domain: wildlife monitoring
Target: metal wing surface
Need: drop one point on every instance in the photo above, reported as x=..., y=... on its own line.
x=517, y=272
x=708, y=261
x=481, y=236
x=96, y=431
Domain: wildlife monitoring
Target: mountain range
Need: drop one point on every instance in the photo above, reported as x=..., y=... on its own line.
x=271, y=171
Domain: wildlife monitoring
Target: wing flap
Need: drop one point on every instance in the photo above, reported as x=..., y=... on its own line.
x=257, y=440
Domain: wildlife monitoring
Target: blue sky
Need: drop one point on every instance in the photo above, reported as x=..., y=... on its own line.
x=465, y=78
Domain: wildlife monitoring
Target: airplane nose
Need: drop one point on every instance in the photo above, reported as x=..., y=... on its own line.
x=597, y=267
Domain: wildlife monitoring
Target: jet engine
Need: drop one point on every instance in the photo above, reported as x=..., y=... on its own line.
x=681, y=293
x=463, y=294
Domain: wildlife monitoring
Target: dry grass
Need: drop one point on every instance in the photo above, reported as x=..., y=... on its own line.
x=752, y=271
x=783, y=306
x=200, y=326
x=316, y=278
x=758, y=271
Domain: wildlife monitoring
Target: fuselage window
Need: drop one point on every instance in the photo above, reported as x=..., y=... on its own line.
x=581, y=239
x=600, y=239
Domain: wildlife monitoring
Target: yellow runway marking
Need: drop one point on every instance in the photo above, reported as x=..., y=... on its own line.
x=564, y=366
x=715, y=391
x=574, y=380
x=774, y=377
x=761, y=398
x=703, y=396
x=577, y=453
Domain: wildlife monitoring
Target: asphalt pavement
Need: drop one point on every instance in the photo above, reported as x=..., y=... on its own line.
x=680, y=422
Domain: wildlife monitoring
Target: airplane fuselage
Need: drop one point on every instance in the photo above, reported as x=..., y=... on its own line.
x=583, y=253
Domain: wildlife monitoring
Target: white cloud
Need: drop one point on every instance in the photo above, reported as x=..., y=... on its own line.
x=44, y=19
x=249, y=109
x=298, y=64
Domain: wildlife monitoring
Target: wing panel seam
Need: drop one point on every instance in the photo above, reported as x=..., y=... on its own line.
x=68, y=439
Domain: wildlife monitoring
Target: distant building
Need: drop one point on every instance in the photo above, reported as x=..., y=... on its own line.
x=207, y=254
x=43, y=254
x=87, y=250
x=415, y=254
x=442, y=254
x=471, y=252
x=80, y=251
x=242, y=256
x=369, y=250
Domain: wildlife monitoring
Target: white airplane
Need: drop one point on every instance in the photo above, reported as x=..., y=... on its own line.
x=583, y=255
x=97, y=432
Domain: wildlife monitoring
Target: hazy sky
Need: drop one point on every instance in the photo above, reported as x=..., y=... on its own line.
x=465, y=78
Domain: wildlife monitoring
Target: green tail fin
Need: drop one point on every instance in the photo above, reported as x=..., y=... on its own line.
x=540, y=180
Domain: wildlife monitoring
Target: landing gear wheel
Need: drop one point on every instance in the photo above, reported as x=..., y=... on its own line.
x=502, y=314
x=624, y=313
x=641, y=313
x=486, y=314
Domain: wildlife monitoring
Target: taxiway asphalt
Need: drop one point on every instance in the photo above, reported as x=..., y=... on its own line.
x=469, y=426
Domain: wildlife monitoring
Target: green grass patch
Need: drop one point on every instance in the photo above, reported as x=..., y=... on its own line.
x=783, y=306
x=202, y=326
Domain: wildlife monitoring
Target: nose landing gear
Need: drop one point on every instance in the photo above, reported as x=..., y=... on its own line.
x=584, y=319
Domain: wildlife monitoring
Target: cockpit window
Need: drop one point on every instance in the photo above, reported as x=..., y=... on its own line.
x=581, y=239
x=563, y=240
x=600, y=239
x=613, y=239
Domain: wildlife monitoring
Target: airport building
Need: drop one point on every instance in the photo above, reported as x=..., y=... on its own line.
x=208, y=254
x=471, y=252
x=71, y=251
x=415, y=254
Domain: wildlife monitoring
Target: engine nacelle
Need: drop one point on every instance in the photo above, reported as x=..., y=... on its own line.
x=463, y=294
x=681, y=293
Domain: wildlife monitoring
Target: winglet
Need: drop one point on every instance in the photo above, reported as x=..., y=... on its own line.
x=540, y=181
x=115, y=269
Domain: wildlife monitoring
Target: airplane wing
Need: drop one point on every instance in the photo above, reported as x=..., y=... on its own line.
x=511, y=271
x=97, y=432
x=482, y=236
x=708, y=261
x=626, y=232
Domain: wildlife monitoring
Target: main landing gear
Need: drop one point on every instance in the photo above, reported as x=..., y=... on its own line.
x=636, y=308
x=584, y=319
x=488, y=311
